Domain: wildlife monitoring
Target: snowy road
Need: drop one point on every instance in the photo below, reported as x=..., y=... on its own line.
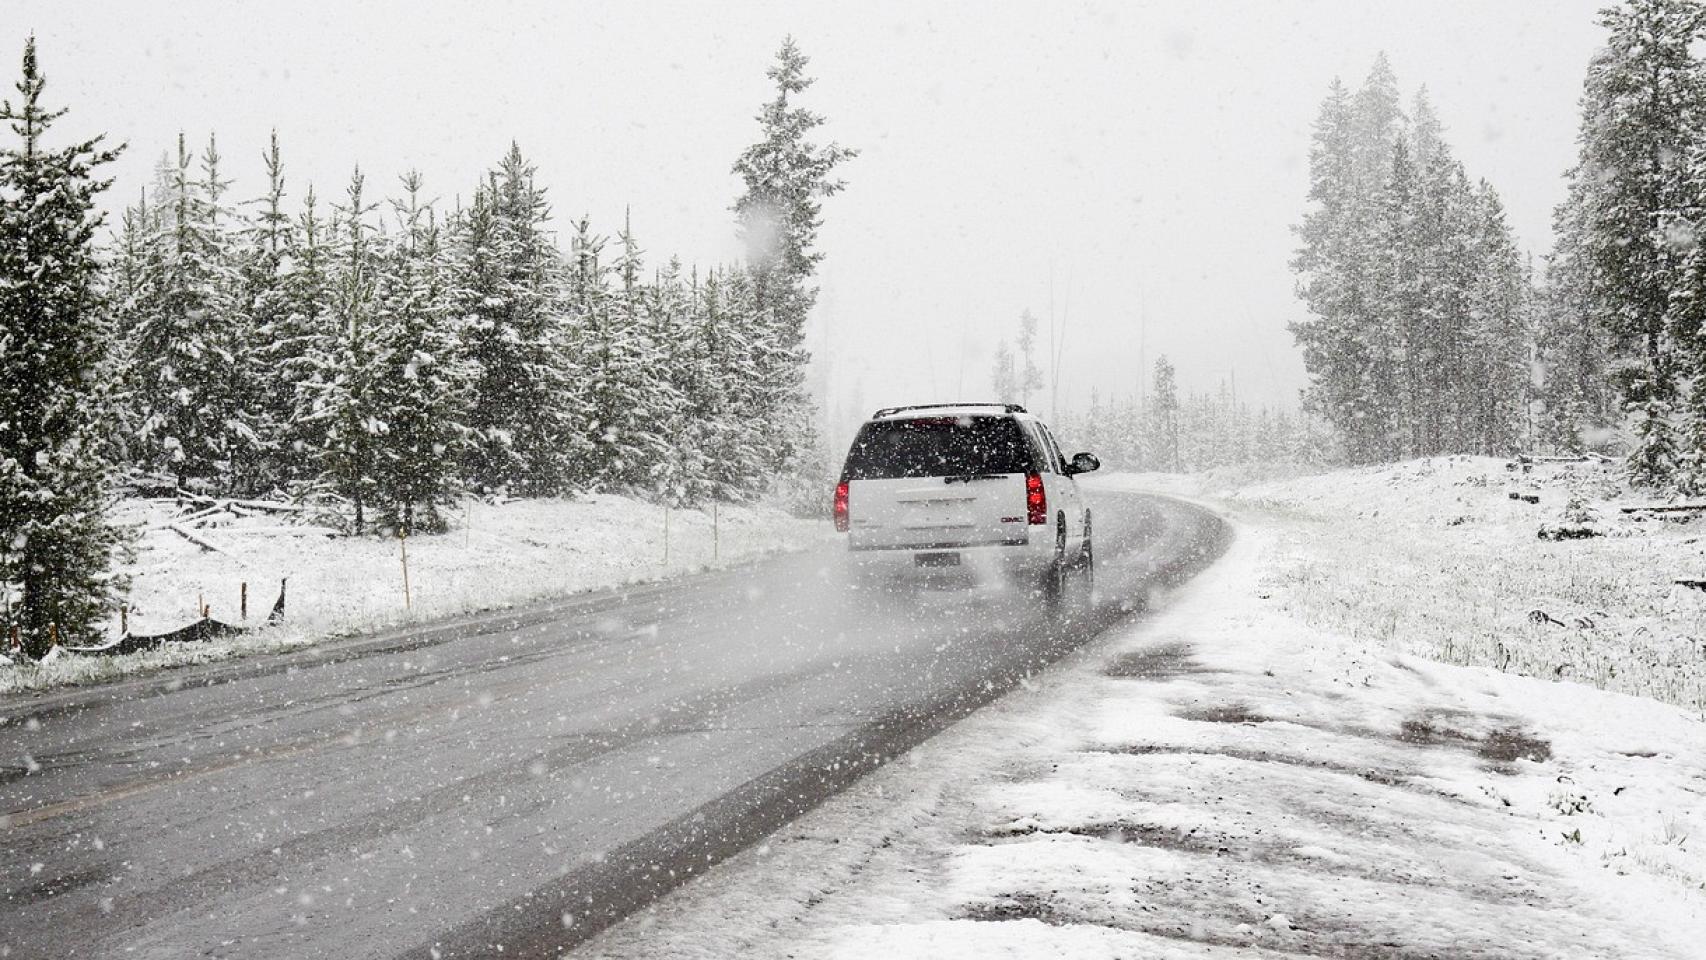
x=520, y=780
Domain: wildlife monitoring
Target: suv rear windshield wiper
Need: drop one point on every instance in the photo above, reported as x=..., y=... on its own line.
x=969, y=477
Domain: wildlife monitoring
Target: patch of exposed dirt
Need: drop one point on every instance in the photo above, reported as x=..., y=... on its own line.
x=1236, y=929
x=1018, y=906
x=1383, y=776
x=1512, y=743
x=1223, y=713
x=1162, y=661
x=1250, y=850
x=1503, y=745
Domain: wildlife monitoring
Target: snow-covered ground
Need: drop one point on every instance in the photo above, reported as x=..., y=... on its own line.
x=498, y=555
x=1235, y=776
x=1436, y=557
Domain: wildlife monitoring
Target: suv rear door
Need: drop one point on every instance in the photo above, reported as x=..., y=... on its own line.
x=937, y=482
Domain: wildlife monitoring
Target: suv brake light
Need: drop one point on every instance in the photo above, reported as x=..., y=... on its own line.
x=1036, y=500
x=841, y=522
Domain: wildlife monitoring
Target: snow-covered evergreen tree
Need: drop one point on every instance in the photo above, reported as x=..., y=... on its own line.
x=720, y=402
x=1335, y=239
x=270, y=340
x=344, y=364
x=1004, y=374
x=1630, y=194
x=58, y=542
x=1164, y=416
x=1572, y=346
x=418, y=376
x=786, y=177
x=1497, y=349
x=183, y=336
x=1029, y=375
x=672, y=366
x=523, y=399
x=297, y=348
x=1418, y=335
x=132, y=268
x=618, y=385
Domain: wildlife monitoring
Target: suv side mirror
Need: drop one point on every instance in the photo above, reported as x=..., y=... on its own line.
x=1083, y=463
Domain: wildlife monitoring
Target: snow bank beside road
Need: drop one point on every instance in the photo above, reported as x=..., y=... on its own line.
x=499, y=555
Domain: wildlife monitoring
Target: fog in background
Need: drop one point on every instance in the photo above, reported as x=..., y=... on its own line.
x=1130, y=170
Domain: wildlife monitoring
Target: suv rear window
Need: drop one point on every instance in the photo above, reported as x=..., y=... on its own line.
x=937, y=447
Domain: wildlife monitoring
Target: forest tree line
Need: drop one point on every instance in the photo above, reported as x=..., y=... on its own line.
x=1420, y=308
x=1159, y=427
x=1166, y=429
x=392, y=355
x=1625, y=338
x=377, y=351
x=1427, y=332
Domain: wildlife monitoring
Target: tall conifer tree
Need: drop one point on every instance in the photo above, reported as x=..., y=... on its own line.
x=786, y=177
x=57, y=544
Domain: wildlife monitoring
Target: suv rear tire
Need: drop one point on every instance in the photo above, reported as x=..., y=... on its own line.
x=1084, y=601
x=1058, y=572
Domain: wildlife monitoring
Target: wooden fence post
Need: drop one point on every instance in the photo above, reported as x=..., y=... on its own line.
x=243, y=600
x=403, y=544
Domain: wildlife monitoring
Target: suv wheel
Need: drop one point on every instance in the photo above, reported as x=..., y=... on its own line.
x=1084, y=573
x=1087, y=560
x=1054, y=582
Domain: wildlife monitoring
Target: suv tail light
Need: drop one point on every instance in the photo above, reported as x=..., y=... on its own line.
x=1036, y=501
x=840, y=507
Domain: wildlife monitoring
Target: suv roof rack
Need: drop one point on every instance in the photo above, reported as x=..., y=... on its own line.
x=890, y=411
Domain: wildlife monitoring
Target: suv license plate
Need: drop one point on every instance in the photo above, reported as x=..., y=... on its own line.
x=937, y=559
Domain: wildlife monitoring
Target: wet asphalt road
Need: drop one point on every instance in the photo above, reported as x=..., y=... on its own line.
x=520, y=779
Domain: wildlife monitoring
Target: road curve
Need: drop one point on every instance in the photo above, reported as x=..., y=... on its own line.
x=521, y=779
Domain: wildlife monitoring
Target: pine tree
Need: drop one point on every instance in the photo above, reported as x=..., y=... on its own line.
x=786, y=176
x=1336, y=237
x=129, y=281
x=1030, y=377
x=1004, y=374
x=617, y=387
x=1500, y=334
x=272, y=340
x=1573, y=349
x=524, y=436
x=184, y=335
x=720, y=402
x=667, y=331
x=418, y=376
x=1654, y=459
x=1418, y=337
x=345, y=364
x=54, y=472
x=1164, y=412
x=299, y=347
x=1641, y=115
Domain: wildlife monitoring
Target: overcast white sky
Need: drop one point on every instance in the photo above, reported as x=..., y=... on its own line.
x=1140, y=160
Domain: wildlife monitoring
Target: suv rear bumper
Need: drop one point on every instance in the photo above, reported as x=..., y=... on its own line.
x=932, y=560
x=945, y=545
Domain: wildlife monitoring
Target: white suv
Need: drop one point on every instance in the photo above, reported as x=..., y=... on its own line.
x=981, y=485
